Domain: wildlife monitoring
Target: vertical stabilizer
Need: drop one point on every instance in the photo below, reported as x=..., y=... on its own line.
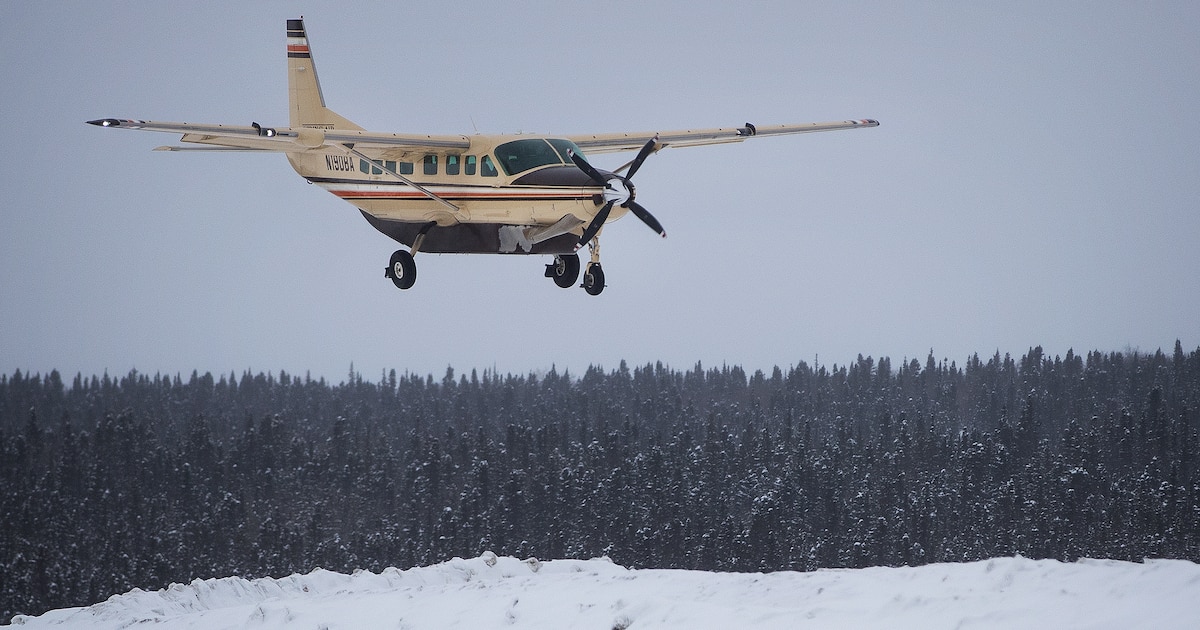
x=306, y=105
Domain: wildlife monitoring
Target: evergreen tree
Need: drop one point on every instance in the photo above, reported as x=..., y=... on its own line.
x=139, y=481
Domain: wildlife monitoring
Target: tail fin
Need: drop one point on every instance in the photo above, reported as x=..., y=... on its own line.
x=306, y=104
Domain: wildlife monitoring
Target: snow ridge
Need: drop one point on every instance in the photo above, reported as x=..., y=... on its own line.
x=504, y=592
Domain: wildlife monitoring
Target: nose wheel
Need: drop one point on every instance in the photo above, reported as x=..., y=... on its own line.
x=593, y=279
x=593, y=275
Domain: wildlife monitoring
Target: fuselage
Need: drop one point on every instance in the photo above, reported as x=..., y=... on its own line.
x=503, y=188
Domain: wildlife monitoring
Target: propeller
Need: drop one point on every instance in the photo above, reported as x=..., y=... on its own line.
x=618, y=190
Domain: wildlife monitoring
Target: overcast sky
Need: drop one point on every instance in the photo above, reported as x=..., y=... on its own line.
x=1034, y=181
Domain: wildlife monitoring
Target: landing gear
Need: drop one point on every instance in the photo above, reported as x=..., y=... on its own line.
x=593, y=279
x=564, y=270
x=402, y=269
x=593, y=275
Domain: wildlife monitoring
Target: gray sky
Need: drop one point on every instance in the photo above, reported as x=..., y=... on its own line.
x=1034, y=182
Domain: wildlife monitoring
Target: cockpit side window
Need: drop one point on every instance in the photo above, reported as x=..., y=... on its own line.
x=487, y=168
x=519, y=156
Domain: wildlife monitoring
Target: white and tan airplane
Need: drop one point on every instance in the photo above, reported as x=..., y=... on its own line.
x=479, y=194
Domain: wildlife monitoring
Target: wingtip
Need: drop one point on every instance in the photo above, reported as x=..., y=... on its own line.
x=116, y=122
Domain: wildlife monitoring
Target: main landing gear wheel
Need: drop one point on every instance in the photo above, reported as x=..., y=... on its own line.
x=564, y=270
x=402, y=269
x=593, y=279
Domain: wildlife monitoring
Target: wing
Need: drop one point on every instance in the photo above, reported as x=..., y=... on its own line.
x=612, y=142
x=256, y=137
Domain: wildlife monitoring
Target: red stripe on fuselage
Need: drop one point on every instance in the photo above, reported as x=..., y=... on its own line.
x=482, y=196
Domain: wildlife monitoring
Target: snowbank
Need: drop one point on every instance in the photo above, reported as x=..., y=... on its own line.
x=492, y=592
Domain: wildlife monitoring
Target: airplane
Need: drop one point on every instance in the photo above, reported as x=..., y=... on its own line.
x=479, y=194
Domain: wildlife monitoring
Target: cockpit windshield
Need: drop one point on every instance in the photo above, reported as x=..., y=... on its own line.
x=562, y=146
x=519, y=156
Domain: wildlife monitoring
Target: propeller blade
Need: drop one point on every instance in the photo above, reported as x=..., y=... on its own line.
x=646, y=218
x=586, y=168
x=595, y=225
x=650, y=146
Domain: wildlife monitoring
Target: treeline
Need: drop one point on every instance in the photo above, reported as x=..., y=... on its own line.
x=112, y=483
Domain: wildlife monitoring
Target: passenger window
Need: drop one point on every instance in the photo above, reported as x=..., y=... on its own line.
x=452, y=165
x=391, y=165
x=406, y=168
x=469, y=167
x=487, y=168
x=431, y=165
x=373, y=167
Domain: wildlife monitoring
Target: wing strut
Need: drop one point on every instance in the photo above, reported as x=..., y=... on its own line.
x=423, y=190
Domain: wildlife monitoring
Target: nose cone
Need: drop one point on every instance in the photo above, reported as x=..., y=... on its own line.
x=618, y=190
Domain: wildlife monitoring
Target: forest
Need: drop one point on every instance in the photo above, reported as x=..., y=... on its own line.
x=111, y=483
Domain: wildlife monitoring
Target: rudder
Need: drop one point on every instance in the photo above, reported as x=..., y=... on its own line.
x=306, y=104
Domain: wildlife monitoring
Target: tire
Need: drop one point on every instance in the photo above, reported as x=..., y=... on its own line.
x=402, y=269
x=564, y=270
x=593, y=279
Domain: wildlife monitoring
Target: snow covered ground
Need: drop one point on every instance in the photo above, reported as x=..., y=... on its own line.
x=491, y=592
